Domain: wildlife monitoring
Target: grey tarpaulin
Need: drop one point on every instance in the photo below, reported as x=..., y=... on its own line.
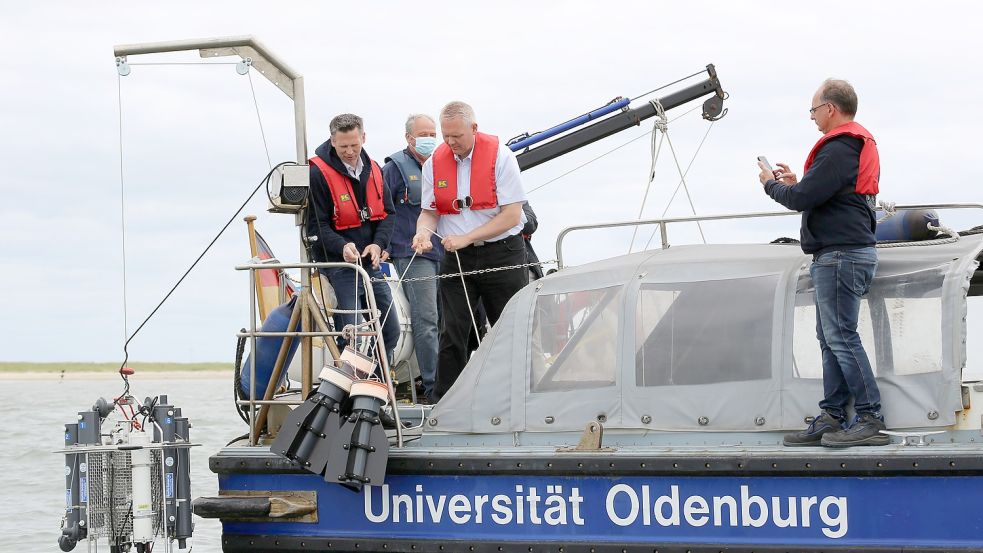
x=711, y=337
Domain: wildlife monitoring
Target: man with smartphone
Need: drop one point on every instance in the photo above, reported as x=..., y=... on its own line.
x=836, y=196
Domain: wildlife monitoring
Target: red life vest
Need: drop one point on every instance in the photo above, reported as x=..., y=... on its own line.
x=870, y=162
x=483, y=195
x=346, y=211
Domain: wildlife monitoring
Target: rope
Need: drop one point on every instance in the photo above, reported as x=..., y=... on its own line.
x=186, y=63
x=660, y=124
x=686, y=172
x=668, y=85
x=682, y=177
x=953, y=237
x=889, y=210
x=122, y=195
x=122, y=221
x=262, y=133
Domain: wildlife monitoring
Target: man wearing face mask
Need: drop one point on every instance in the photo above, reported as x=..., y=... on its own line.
x=351, y=214
x=403, y=175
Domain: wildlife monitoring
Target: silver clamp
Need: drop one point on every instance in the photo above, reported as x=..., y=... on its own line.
x=243, y=66
x=122, y=67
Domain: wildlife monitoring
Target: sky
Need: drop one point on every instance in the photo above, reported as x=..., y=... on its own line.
x=186, y=138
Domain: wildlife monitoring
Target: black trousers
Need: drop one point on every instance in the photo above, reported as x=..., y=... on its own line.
x=493, y=290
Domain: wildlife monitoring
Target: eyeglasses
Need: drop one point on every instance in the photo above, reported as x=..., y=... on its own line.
x=812, y=110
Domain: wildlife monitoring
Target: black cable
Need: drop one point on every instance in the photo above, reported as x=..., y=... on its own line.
x=668, y=85
x=126, y=354
x=237, y=438
x=148, y=412
x=237, y=377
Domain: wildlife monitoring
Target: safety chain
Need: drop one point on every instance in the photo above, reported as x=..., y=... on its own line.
x=475, y=272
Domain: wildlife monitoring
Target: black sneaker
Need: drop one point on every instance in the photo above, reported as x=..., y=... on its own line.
x=813, y=435
x=865, y=430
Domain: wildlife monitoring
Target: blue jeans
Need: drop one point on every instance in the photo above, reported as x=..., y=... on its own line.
x=343, y=282
x=422, y=296
x=841, y=278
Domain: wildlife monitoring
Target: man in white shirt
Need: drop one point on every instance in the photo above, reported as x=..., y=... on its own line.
x=472, y=196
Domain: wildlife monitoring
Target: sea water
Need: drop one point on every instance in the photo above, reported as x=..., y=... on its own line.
x=33, y=414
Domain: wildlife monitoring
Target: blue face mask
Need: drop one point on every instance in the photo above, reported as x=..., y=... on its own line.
x=425, y=145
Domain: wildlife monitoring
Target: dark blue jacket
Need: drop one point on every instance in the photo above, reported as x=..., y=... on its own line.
x=406, y=215
x=834, y=216
x=320, y=216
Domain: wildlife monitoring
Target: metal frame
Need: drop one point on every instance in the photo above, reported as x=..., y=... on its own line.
x=663, y=223
x=249, y=49
x=252, y=333
x=289, y=81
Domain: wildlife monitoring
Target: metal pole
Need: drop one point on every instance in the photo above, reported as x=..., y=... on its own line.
x=252, y=358
x=719, y=217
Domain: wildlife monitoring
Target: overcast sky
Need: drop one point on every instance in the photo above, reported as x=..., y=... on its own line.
x=192, y=148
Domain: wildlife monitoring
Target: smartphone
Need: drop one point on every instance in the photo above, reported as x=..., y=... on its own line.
x=764, y=160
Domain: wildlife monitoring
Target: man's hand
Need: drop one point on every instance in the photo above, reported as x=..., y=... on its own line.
x=385, y=255
x=350, y=253
x=766, y=174
x=373, y=252
x=785, y=175
x=456, y=242
x=421, y=242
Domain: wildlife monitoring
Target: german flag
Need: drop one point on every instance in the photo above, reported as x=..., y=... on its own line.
x=270, y=280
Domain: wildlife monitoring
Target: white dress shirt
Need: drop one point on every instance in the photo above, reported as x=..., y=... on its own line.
x=508, y=189
x=354, y=171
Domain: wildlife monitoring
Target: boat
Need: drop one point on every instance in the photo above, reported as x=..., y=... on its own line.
x=635, y=403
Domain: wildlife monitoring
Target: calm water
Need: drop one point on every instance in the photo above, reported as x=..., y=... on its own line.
x=32, y=482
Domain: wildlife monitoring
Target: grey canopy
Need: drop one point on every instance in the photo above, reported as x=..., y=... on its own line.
x=714, y=338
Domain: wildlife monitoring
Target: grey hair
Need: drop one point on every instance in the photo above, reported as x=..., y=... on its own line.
x=412, y=119
x=841, y=94
x=458, y=109
x=345, y=122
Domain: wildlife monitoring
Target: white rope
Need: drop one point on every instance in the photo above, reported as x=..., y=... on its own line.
x=660, y=124
x=953, y=237
x=467, y=299
x=889, y=210
x=399, y=286
x=682, y=178
x=681, y=181
x=260, y=119
x=122, y=197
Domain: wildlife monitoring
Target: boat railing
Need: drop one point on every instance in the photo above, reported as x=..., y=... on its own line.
x=664, y=222
x=259, y=407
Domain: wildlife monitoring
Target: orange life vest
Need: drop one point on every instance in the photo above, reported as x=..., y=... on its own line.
x=870, y=162
x=346, y=211
x=483, y=195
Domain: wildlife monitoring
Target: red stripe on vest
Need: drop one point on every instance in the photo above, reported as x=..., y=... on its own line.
x=869, y=175
x=483, y=190
x=346, y=211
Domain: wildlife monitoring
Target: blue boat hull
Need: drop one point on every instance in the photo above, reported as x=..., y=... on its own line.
x=805, y=503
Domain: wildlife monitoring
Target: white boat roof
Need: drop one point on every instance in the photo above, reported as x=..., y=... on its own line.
x=711, y=337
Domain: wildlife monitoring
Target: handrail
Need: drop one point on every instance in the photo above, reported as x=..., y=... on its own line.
x=253, y=333
x=663, y=223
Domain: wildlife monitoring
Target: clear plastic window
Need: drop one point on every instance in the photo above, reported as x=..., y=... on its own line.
x=575, y=340
x=900, y=325
x=704, y=332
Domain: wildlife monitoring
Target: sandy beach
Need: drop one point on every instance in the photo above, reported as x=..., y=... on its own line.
x=111, y=375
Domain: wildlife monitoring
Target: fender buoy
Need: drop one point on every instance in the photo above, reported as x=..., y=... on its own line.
x=908, y=225
x=267, y=348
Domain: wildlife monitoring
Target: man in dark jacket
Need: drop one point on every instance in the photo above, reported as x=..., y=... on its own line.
x=836, y=197
x=350, y=213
